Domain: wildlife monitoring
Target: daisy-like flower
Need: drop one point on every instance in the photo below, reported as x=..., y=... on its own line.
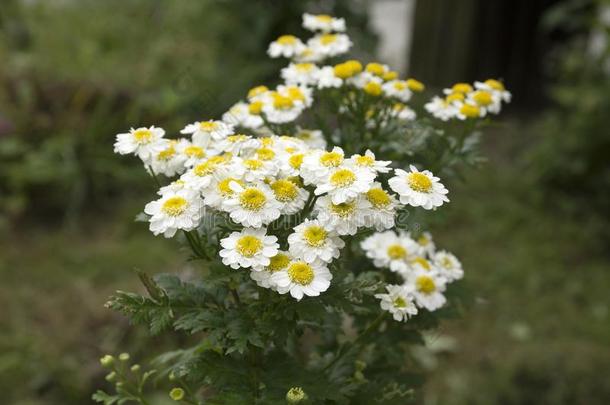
x=192, y=154
x=345, y=183
x=290, y=195
x=490, y=102
x=219, y=191
x=262, y=276
x=286, y=46
x=257, y=169
x=403, y=112
x=344, y=218
x=325, y=78
x=240, y=115
x=248, y=248
x=312, y=241
x=318, y=164
x=281, y=108
x=202, y=174
x=419, y=189
x=172, y=187
x=368, y=162
x=330, y=44
x=427, y=288
x=313, y=138
x=168, y=161
x=427, y=243
x=290, y=164
x=143, y=142
x=469, y=109
x=181, y=209
x=300, y=74
x=308, y=55
x=496, y=87
x=347, y=69
x=382, y=208
x=448, y=265
x=205, y=131
x=323, y=22
x=441, y=109
x=398, y=301
x=389, y=250
x=252, y=205
x=398, y=89
x=301, y=278
x=236, y=145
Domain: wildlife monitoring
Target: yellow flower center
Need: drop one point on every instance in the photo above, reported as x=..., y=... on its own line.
x=373, y=89
x=304, y=67
x=295, y=94
x=344, y=210
x=287, y=40
x=315, y=235
x=461, y=88
x=446, y=263
x=420, y=182
x=166, y=154
x=331, y=159
x=253, y=164
x=375, y=68
x=208, y=126
x=224, y=186
x=423, y=262
x=257, y=91
x=342, y=178
x=396, y=252
x=281, y=102
x=265, y=154
x=142, y=135
x=482, y=97
x=237, y=138
x=328, y=39
x=255, y=107
x=174, y=206
x=249, y=245
x=278, y=262
x=391, y=75
x=495, y=84
x=252, y=199
x=425, y=284
x=194, y=151
x=365, y=160
x=296, y=161
x=205, y=168
x=399, y=302
x=415, y=85
x=300, y=273
x=470, y=111
x=284, y=190
x=454, y=97
x=324, y=18
x=378, y=197
x=400, y=85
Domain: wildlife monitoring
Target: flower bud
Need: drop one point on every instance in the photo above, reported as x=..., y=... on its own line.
x=111, y=377
x=124, y=356
x=135, y=368
x=295, y=395
x=107, y=360
x=177, y=394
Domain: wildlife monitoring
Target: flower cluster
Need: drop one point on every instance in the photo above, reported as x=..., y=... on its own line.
x=464, y=101
x=424, y=271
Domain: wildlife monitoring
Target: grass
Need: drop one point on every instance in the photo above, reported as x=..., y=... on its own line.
x=537, y=332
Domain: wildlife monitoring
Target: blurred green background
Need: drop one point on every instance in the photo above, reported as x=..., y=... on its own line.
x=531, y=226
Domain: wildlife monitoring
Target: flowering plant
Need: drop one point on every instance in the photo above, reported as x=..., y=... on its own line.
x=314, y=274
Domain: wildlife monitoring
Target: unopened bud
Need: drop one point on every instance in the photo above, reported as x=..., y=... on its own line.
x=124, y=356
x=295, y=395
x=110, y=377
x=107, y=360
x=135, y=368
x=177, y=394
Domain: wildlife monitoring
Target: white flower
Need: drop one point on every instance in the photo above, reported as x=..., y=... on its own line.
x=300, y=73
x=398, y=301
x=323, y=22
x=427, y=288
x=427, y=243
x=220, y=191
x=252, y=205
x=192, y=154
x=318, y=164
x=202, y=174
x=368, y=162
x=302, y=278
x=345, y=183
x=262, y=276
x=487, y=100
x=402, y=112
x=172, y=187
x=448, y=265
x=330, y=44
x=344, y=218
x=203, y=132
x=308, y=55
x=291, y=196
x=143, y=142
x=382, y=208
x=282, y=108
x=168, y=161
x=441, y=109
x=181, y=209
x=419, y=189
x=398, y=89
x=469, y=109
x=236, y=145
x=248, y=248
x=313, y=138
x=389, y=250
x=241, y=115
x=325, y=78
x=311, y=241
x=286, y=46
x=496, y=87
